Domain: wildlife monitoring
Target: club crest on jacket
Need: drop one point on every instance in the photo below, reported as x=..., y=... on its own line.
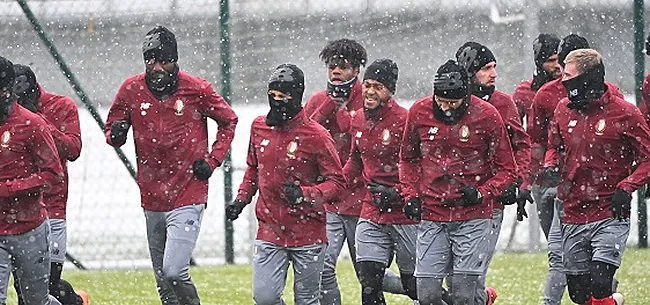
x=291, y=149
x=6, y=137
x=600, y=127
x=178, y=107
x=385, y=137
x=463, y=133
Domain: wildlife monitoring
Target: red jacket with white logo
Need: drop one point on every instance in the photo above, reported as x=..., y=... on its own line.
x=30, y=164
x=321, y=108
x=597, y=148
x=523, y=97
x=375, y=157
x=645, y=98
x=300, y=152
x=544, y=104
x=60, y=112
x=437, y=159
x=519, y=139
x=170, y=135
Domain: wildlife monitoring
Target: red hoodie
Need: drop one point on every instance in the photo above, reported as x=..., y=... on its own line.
x=437, y=159
x=375, y=157
x=541, y=114
x=323, y=109
x=523, y=97
x=170, y=135
x=301, y=152
x=597, y=148
x=645, y=98
x=60, y=112
x=30, y=164
x=519, y=139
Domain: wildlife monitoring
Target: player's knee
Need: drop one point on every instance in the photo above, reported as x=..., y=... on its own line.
x=464, y=296
x=602, y=275
x=579, y=287
x=371, y=276
x=429, y=291
x=266, y=296
x=410, y=285
x=174, y=274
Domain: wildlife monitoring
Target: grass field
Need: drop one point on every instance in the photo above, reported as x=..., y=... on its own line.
x=518, y=278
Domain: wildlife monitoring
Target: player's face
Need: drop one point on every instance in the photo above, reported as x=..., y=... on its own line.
x=279, y=95
x=374, y=94
x=487, y=75
x=570, y=71
x=341, y=70
x=153, y=65
x=448, y=104
x=552, y=66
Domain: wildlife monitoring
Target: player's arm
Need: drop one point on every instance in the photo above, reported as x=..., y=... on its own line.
x=520, y=142
x=66, y=131
x=329, y=167
x=215, y=107
x=250, y=184
x=353, y=169
x=637, y=134
x=501, y=160
x=119, y=119
x=410, y=156
x=553, y=153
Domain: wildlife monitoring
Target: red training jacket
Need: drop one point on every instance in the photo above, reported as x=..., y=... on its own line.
x=597, y=148
x=170, y=135
x=375, y=157
x=30, y=164
x=437, y=159
x=523, y=97
x=645, y=98
x=61, y=113
x=323, y=109
x=301, y=152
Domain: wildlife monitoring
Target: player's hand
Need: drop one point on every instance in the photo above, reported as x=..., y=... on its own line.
x=471, y=196
x=201, y=169
x=509, y=196
x=118, y=131
x=234, y=209
x=523, y=197
x=552, y=176
x=413, y=208
x=293, y=193
x=383, y=196
x=621, y=202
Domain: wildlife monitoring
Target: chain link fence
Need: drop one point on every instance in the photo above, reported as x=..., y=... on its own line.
x=101, y=42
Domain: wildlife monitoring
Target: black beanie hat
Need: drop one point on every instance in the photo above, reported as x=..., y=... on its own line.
x=545, y=46
x=451, y=81
x=160, y=44
x=473, y=56
x=568, y=44
x=384, y=71
x=7, y=74
x=288, y=79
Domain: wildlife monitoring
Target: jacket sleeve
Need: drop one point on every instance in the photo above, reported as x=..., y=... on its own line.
x=637, y=135
x=249, y=185
x=537, y=127
x=520, y=142
x=323, y=111
x=45, y=158
x=66, y=131
x=555, y=143
x=501, y=161
x=343, y=119
x=119, y=111
x=353, y=168
x=215, y=107
x=410, y=157
x=645, y=99
x=330, y=169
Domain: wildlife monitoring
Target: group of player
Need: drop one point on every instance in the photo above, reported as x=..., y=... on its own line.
x=425, y=187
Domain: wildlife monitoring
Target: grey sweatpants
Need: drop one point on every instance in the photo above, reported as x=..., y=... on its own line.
x=270, y=266
x=172, y=237
x=548, y=209
x=492, y=238
x=29, y=255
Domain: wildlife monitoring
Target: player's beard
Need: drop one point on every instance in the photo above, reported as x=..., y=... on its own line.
x=451, y=116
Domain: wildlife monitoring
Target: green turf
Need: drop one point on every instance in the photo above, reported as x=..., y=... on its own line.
x=518, y=278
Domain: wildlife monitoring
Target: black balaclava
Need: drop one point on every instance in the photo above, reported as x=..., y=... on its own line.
x=586, y=87
x=290, y=80
x=26, y=87
x=160, y=45
x=473, y=56
x=7, y=80
x=451, y=82
x=384, y=71
x=568, y=44
x=544, y=46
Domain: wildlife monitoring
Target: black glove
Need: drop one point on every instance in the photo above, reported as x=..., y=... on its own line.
x=383, y=196
x=294, y=193
x=523, y=197
x=620, y=202
x=234, y=209
x=27, y=104
x=202, y=169
x=552, y=176
x=118, y=131
x=413, y=208
x=509, y=196
x=471, y=196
